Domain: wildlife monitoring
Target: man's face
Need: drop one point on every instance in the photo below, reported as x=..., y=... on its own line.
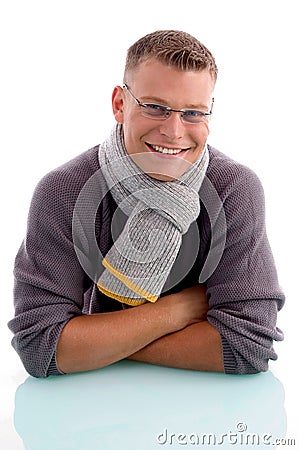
x=154, y=82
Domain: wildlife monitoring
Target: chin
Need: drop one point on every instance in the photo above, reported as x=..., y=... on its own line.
x=160, y=177
x=159, y=167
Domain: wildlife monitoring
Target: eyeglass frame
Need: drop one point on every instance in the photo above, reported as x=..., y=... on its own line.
x=167, y=110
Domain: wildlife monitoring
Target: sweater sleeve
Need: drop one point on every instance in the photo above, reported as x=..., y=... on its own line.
x=49, y=281
x=244, y=294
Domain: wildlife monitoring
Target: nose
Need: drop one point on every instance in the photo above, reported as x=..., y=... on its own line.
x=173, y=127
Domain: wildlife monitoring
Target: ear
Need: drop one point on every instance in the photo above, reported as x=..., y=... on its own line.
x=118, y=104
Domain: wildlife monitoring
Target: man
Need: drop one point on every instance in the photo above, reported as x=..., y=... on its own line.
x=187, y=277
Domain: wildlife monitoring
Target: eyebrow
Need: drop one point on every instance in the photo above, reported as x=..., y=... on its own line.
x=162, y=102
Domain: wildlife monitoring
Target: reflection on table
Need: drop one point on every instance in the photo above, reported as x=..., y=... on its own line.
x=134, y=406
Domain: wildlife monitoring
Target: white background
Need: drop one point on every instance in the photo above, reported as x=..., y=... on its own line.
x=59, y=63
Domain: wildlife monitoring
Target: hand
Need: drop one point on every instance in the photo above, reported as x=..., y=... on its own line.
x=186, y=307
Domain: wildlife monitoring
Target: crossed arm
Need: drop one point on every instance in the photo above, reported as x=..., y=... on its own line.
x=172, y=332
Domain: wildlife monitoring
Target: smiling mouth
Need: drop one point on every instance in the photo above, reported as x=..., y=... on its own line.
x=166, y=150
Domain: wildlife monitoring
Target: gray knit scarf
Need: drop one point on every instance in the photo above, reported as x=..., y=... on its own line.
x=159, y=213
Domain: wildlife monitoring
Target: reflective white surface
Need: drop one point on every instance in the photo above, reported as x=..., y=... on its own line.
x=60, y=62
x=132, y=406
x=136, y=406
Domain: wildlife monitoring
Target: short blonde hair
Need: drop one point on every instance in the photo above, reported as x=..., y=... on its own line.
x=177, y=49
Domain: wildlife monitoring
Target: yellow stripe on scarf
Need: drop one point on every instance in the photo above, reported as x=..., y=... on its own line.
x=130, y=284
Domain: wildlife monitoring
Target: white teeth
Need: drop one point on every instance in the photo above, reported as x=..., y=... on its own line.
x=168, y=151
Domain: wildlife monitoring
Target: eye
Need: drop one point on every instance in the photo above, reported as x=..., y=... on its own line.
x=194, y=113
x=155, y=109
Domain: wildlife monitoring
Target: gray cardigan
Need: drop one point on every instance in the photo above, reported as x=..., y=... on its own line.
x=51, y=287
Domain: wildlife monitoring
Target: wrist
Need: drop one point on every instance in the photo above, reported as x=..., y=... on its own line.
x=162, y=315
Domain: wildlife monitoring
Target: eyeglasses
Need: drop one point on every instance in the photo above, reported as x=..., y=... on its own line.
x=159, y=112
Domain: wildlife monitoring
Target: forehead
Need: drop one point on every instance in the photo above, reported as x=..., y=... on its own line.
x=153, y=80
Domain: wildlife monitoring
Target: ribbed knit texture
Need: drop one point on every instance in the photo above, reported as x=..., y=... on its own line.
x=51, y=287
x=140, y=260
